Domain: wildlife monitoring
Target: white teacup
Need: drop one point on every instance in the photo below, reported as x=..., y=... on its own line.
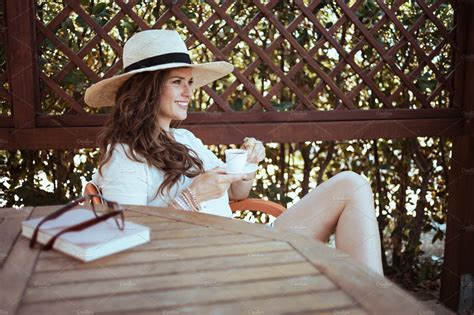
x=235, y=159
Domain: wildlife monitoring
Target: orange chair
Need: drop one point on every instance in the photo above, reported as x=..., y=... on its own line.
x=265, y=206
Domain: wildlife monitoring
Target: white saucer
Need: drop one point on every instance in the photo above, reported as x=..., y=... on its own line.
x=249, y=168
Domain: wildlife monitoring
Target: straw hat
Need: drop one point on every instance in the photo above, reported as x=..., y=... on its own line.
x=150, y=51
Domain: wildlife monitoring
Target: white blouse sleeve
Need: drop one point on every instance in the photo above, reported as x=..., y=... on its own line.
x=124, y=180
x=207, y=156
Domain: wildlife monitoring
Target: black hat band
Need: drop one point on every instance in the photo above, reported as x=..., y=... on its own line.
x=159, y=60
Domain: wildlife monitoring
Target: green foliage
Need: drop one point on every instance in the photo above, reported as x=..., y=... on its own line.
x=44, y=177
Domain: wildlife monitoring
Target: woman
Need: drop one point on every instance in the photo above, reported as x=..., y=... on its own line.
x=145, y=161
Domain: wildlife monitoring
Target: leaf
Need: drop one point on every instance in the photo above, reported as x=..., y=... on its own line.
x=439, y=235
x=425, y=81
x=156, y=12
x=99, y=8
x=120, y=29
x=283, y=106
x=100, y=20
x=237, y=104
x=80, y=21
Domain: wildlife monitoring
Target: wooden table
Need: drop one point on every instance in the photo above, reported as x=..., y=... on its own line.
x=195, y=264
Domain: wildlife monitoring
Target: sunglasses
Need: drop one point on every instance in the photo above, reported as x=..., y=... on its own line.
x=113, y=210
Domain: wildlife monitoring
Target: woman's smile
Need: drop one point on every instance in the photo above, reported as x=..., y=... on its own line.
x=182, y=104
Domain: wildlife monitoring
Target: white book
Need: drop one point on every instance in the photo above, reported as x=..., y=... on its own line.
x=99, y=240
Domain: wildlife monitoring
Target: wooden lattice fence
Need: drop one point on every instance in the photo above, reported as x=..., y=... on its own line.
x=322, y=70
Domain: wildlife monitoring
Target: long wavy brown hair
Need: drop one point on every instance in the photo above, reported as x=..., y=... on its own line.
x=134, y=122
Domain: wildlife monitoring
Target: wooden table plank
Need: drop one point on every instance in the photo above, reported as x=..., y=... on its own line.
x=197, y=295
x=212, y=221
x=197, y=242
x=166, y=226
x=43, y=291
x=307, y=303
x=147, y=218
x=179, y=254
x=201, y=235
x=103, y=272
x=10, y=225
x=24, y=212
x=17, y=267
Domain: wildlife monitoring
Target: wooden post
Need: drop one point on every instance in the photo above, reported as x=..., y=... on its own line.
x=458, y=255
x=22, y=61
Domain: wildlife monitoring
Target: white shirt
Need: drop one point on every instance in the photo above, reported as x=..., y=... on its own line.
x=130, y=182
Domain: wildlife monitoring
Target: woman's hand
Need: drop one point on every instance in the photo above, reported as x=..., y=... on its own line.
x=213, y=184
x=255, y=149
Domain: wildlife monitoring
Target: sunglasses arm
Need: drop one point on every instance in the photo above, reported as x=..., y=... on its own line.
x=52, y=216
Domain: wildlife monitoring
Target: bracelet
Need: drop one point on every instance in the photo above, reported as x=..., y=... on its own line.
x=187, y=200
x=192, y=198
x=179, y=203
x=183, y=204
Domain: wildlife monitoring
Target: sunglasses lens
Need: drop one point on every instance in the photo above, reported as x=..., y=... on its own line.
x=101, y=206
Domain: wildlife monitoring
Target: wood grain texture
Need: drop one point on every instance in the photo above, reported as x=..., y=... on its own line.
x=302, y=304
x=458, y=254
x=376, y=293
x=85, y=137
x=216, y=118
x=148, y=283
x=17, y=268
x=373, y=292
x=22, y=61
x=234, y=267
x=10, y=227
x=225, y=238
x=134, y=256
x=204, y=294
x=104, y=272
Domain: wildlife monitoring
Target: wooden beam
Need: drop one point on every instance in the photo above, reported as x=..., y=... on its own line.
x=22, y=61
x=327, y=131
x=213, y=118
x=7, y=122
x=233, y=133
x=458, y=255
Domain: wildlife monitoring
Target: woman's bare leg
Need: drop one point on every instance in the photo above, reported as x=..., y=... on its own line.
x=343, y=203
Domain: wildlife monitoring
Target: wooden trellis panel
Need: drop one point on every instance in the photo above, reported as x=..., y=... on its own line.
x=305, y=70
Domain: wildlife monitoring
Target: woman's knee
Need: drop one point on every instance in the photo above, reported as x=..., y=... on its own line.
x=351, y=181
